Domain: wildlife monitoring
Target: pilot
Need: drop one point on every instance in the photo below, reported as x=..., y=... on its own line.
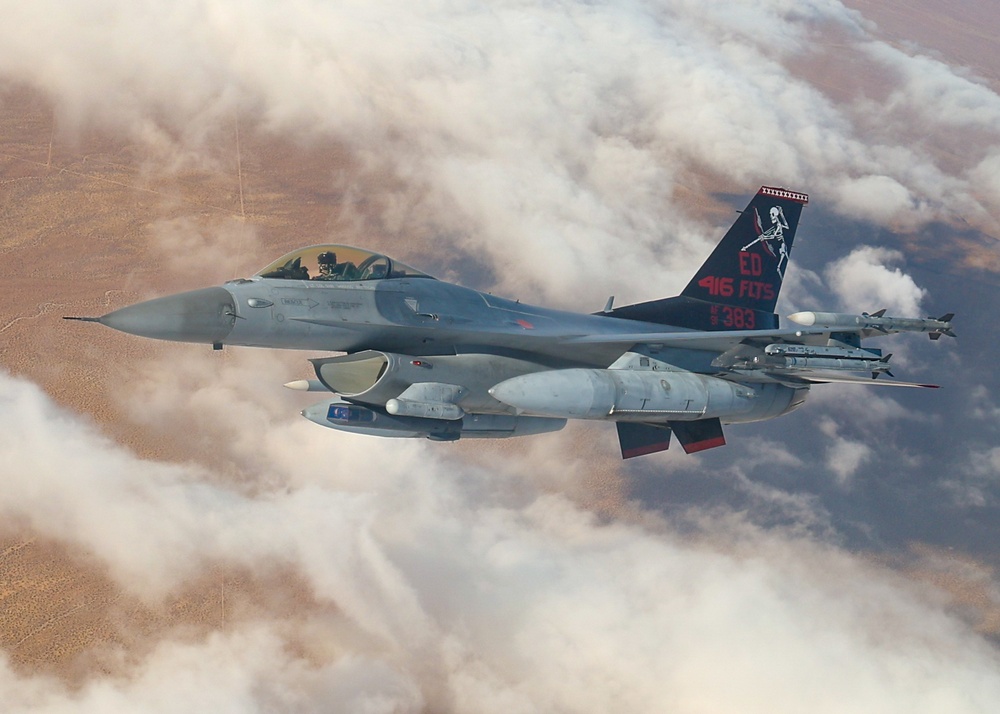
x=328, y=268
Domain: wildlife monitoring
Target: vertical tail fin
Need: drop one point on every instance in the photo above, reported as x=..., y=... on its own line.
x=737, y=287
x=746, y=268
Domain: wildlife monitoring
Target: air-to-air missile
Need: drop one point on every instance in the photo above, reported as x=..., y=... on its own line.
x=876, y=321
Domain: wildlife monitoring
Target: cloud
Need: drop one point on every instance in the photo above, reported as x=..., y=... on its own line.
x=243, y=671
x=461, y=602
x=865, y=281
x=939, y=93
x=986, y=173
x=843, y=456
x=983, y=405
x=977, y=484
x=868, y=407
x=877, y=198
x=552, y=144
x=204, y=250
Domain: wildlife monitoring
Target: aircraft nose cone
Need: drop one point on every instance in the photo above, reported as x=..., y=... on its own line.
x=205, y=315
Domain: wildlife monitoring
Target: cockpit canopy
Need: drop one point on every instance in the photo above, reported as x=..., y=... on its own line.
x=337, y=262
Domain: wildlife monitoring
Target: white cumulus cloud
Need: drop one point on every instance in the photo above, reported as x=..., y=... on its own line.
x=868, y=279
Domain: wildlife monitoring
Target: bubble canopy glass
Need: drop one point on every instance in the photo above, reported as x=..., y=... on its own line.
x=337, y=262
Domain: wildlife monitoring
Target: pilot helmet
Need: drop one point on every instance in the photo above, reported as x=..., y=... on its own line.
x=327, y=258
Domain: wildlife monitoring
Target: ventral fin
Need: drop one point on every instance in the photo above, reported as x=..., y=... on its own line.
x=637, y=439
x=698, y=435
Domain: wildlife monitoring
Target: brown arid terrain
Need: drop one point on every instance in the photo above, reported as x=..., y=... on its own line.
x=964, y=32
x=58, y=195
x=86, y=229
x=62, y=615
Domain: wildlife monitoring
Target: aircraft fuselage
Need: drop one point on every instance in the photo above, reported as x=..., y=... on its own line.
x=421, y=317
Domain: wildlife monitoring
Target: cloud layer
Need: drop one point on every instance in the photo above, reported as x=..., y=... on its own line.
x=445, y=600
x=555, y=143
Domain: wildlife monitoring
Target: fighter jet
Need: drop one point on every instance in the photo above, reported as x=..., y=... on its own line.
x=426, y=358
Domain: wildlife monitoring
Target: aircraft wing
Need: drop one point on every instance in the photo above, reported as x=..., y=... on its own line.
x=720, y=340
x=816, y=327
x=821, y=377
x=742, y=353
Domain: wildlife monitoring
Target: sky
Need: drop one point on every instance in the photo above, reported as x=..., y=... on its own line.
x=556, y=152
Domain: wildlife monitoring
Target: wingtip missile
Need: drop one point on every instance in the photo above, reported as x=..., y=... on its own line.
x=877, y=321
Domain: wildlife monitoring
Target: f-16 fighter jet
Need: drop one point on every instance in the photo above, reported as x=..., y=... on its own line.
x=426, y=358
